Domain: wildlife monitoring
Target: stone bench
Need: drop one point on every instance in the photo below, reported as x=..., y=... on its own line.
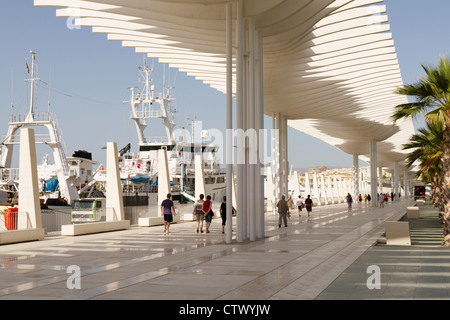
x=412, y=212
x=155, y=221
x=397, y=233
x=420, y=202
x=21, y=235
x=94, y=227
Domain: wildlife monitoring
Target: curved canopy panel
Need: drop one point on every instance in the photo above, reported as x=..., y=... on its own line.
x=330, y=66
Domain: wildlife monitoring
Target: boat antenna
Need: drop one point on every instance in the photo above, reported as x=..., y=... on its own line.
x=164, y=80
x=12, y=93
x=32, y=80
x=49, y=88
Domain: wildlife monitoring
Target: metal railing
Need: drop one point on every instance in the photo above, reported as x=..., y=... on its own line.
x=157, y=139
x=52, y=220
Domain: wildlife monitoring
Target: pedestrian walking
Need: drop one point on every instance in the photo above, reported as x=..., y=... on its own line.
x=283, y=211
x=167, y=211
x=223, y=212
x=300, y=205
x=291, y=203
x=207, y=211
x=349, y=201
x=198, y=213
x=308, y=204
x=381, y=200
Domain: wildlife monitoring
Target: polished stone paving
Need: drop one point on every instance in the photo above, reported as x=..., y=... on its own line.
x=324, y=256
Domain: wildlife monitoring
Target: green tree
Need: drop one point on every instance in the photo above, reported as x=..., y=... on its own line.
x=432, y=98
x=426, y=152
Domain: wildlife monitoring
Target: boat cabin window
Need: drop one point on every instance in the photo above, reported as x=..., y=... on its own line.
x=151, y=148
x=220, y=179
x=210, y=180
x=80, y=205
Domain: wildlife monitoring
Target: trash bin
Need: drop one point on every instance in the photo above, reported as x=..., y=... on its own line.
x=11, y=218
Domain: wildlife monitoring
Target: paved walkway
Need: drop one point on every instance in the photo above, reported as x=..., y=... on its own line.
x=322, y=257
x=419, y=272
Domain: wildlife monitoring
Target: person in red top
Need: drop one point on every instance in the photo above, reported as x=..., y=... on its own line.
x=207, y=211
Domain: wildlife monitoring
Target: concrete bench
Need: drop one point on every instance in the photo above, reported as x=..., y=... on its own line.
x=155, y=221
x=412, y=212
x=22, y=235
x=94, y=227
x=397, y=233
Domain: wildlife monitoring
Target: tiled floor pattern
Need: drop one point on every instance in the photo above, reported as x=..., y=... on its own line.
x=419, y=272
x=296, y=262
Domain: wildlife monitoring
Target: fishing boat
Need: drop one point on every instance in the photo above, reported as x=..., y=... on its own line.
x=139, y=172
x=60, y=183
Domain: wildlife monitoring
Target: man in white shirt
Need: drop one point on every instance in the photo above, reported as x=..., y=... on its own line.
x=299, y=205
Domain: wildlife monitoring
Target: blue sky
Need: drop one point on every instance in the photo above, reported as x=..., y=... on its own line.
x=90, y=76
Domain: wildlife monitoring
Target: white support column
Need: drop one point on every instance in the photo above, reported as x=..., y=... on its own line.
x=260, y=128
x=241, y=208
x=229, y=133
x=356, y=190
x=270, y=188
x=245, y=125
x=373, y=173
x=276, y=156
x=405, y=184
x=307, y=184
x=396, y=180
x=29, y=216
x=252, y=145
x=323, y=189
x=316, y=189
x=330, y=190
x=199, y=177
x=296, y=185
x=336, y=190
x=343, y=186
x=380, y=179
x=114, y=199
x=285, y=180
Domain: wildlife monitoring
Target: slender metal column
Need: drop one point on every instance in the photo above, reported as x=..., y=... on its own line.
x=316, y=189
x=239, y=124
x=285, y=182
x=405, y=184
x=373, y=173
x=260, y=128
x=396, y=180
x=380, y=179
x=355, y=176
x=229, y=156
x=251, y=194
x=245, y=109
x=278, y=152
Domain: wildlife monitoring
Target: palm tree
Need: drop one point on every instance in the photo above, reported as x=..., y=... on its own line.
x=432, y=97
x=427, y=152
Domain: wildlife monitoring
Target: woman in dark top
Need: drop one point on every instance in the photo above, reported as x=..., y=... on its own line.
x=308, y=205
x=223, y=212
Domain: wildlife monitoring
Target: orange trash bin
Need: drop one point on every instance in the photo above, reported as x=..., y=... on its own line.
x=11, y=218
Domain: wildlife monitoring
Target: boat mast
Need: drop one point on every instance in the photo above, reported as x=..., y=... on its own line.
x=147, y=99
x=30, y=116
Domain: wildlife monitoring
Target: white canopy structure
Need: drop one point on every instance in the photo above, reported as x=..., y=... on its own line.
x=325, y=67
